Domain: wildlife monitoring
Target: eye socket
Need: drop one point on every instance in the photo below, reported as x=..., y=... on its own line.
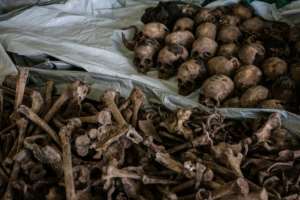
x=195, y=54
x=148, y=61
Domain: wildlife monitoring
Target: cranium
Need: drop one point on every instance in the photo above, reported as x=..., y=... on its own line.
x=184, y=24
x=252, y=53
x=206, y=29
x=204, y=48
x=204, y=15
x=190, y=73
x=223, y=65
x=229, y=33
x=155, y=30
x=145, y=54
x=169, y=59
x=228, y=50
x=184, y=38
x=229, y=20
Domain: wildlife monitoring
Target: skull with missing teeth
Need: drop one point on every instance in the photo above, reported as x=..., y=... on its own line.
x=169, y=59
x=145, y=54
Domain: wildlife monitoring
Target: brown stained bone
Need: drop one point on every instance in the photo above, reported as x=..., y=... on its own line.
x=20, y=86
x=258, y=195
x=137, y=99
x=103, y=117
x=76, y=91
x=47, y=155
x=65, y=134
x=28, y=113
x=48, y=94
x=147, y=180
x=265, y=132
x=130, y=108
x=166, y=160
x=109, y=100
x=176, y=124
x=239, y=186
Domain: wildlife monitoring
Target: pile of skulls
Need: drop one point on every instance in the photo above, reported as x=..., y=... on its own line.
x=235, y=57
x=71, y=147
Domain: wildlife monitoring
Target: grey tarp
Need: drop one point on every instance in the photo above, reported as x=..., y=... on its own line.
x=86, y=33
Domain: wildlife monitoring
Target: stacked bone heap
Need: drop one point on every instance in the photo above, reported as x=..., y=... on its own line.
x=235, y=57
x=71, y=147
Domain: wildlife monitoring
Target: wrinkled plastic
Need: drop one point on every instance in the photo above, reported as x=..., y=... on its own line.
x=89, y=36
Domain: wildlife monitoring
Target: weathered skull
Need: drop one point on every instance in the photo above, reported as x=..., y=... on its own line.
x=242, y=11
x=229, y=20
x=223, y=65
x=204, y=48
x=155, y=30
x=204, y=15
x=206, y=29
x=189, y=9
x=253, y=25
x=189, y=75
x=184, y=24
x=272, y=104
x=229, y=34
x=145, y=54
x=169, y=59
x=217, y=87
x=284, y=89
x=228, y=50
x=252, y=53
x=184, y=38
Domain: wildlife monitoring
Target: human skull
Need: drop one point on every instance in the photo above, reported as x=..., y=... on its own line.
x=189, y=75
x=155, y=30
x=204, y=48
x=223, y=65
x=229, y=34
x=169, y=59
x=242, y=11
x=228, y=50
x=184, y=24
x=184, y=38
x=206, y=29
x=230, y=20
x=252, y=53
x=144, y=55
x=204, y=15
x=253, y=25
